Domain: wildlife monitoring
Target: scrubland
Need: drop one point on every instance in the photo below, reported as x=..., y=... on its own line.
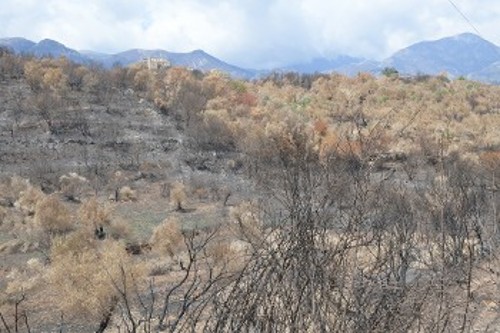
x=178, y=201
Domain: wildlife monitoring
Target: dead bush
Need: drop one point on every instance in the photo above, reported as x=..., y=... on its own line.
x=95, y=217
x=246, y=222
x=86, y=280
x=119, y=229
x=28, y=200
x=127, y=194
x=201, y=193
x=11, y=188
x=178, y=195
x=74, y=242
x=160, y=268
x=167, y=237
x=53, y=216
x=221, y=252
x=72, y=186
x=25, y=278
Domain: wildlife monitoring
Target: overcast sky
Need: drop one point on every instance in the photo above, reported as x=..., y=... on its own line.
x=249, y=33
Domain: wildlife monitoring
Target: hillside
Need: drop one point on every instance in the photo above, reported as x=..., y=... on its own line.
x=172, y=200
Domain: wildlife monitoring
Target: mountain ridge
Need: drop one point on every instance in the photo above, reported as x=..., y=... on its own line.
x=465, y=54
x=457, y=55
x=197, y=59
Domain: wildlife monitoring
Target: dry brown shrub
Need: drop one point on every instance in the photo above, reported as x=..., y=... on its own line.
x=348, y=148
x=201, y=193
x=85, y=278
x=74, y=242
x=491, y=161
x=72, y=186
x=221, y=252
x=320, y=127
x=11, y=188
x=127, y=194
x=28, y=200
x=159, y=268
x=117, y=181
x=52, y=216
x=93, y=214
x=27, y=236
x=167, y=237
x=119, y=229
x=246, y=222
x=178, y=195
x=24, y=278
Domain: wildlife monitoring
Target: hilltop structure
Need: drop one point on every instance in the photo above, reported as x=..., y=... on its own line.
x=156, y=63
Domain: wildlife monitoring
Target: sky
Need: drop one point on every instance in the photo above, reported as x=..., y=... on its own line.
x=249, y=33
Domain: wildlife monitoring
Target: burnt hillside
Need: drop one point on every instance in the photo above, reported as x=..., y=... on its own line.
x=173, y=200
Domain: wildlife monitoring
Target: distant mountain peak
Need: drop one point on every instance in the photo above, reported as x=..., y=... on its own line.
x=467, y=37
x=51, y=46
x=457, y=55
x=12, y=39
x=17, y=44
x=48, y=40
x=51, y=42
x=199, y=51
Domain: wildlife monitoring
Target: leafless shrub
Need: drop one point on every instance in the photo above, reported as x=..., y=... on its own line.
x=20, y=317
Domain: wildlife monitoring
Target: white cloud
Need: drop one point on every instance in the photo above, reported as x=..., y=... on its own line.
x=253, y=33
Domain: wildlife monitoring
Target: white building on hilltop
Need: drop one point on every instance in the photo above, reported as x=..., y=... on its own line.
x=156, y=63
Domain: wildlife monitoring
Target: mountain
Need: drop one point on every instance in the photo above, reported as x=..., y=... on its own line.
x=458, y=55
x=197, y=59
x=49, y=47
x=323, y=65
x=490, y=74
x=17, y=44
x=44, y=48
x=461, y=55
x=466, y=55
x=365, y=66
